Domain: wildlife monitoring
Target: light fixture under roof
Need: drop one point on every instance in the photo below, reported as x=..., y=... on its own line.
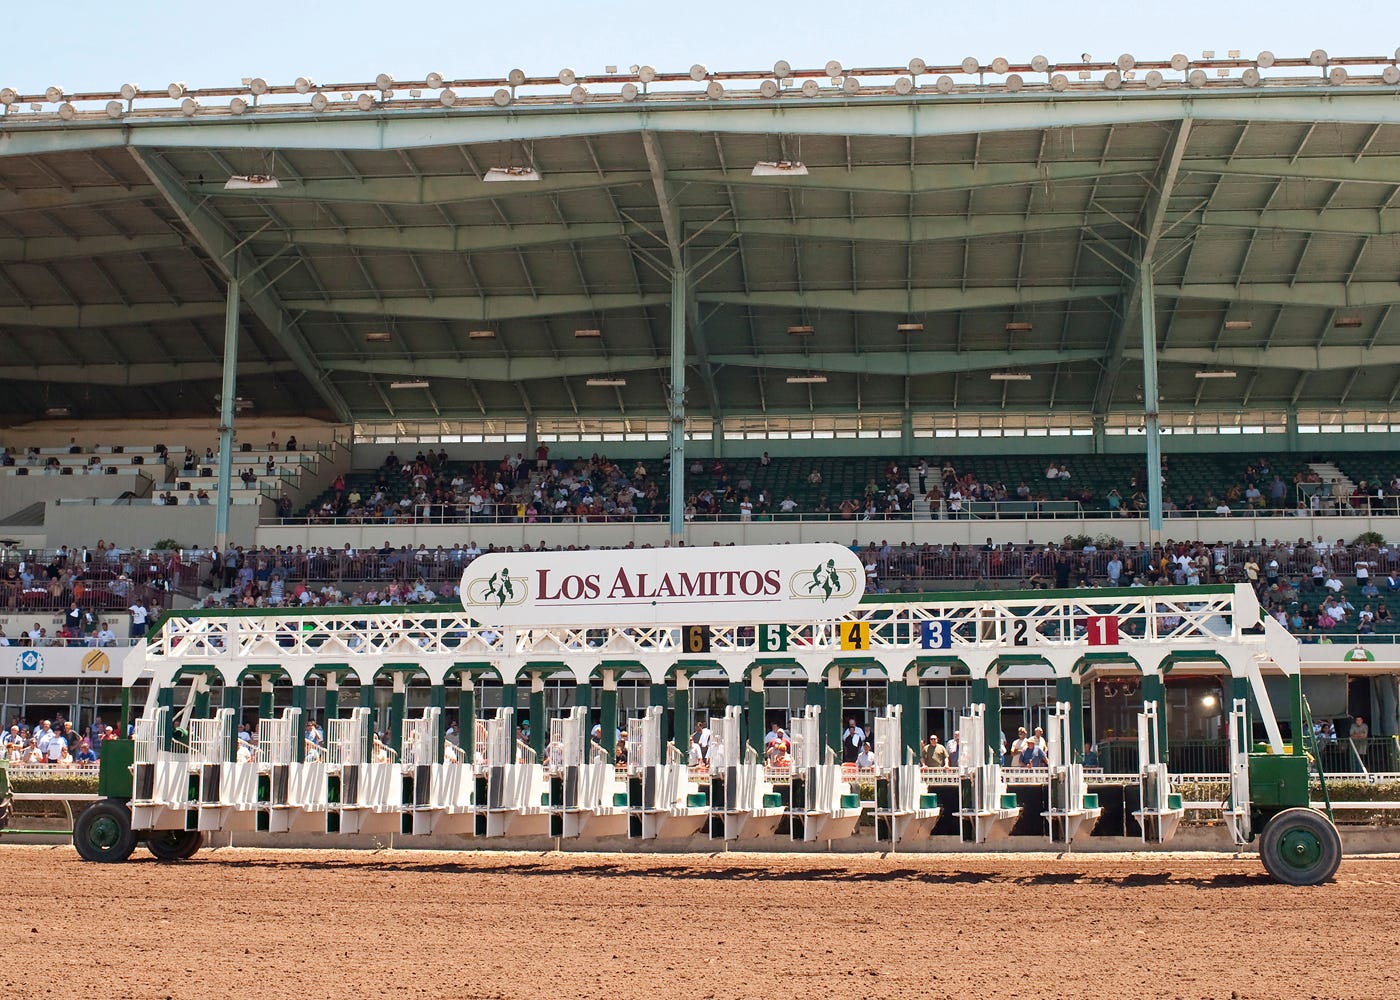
x=58, y=411
x=506, y=174
x=414, y=384
x=481, y=334
x=780, y=168
x=1347, y=322
x=1018, y=326
x=379, y=337
x=1239, y=324
x=245, y=182
x=806, y=379
x=606, y=382
x=801, y=331
x=1010, y=376
x=588, y=334
x=1215, y=374
x=909, y=327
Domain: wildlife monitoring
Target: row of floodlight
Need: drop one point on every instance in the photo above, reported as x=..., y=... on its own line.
x=783, y=77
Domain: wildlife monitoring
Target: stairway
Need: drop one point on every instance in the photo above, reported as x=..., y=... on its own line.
x=1329, y=474
x=26, y=517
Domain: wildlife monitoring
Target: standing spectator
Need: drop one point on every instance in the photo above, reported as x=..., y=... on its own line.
x=851, y=742
x=934, y=753
x=139, y=615
x=701, y=739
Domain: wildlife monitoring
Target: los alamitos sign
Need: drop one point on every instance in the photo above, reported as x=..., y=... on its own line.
x=748, y=584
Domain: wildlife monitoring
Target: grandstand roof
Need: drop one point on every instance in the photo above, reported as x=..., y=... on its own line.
x=998, y=220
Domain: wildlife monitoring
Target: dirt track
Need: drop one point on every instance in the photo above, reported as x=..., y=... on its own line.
x=415, y=924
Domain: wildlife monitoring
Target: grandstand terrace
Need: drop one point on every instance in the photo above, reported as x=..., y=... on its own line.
x=995, y=265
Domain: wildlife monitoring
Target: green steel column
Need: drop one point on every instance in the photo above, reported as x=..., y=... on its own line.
x=201, y=698
x=165, y=698
x=757, y=701
x=816, y=695
x=233, y=698
x=299, y=700
x=831, y=730
x=607, y=713
x=466, y=717
x=913, y=716
x=264, y=696
x=1067, y=689
x=228, y=393
x=438, y=699
x=989, y=696
x=1152, y=690
x=1239, y=690
x=510, y=698
x=398, y=703
x=734, y=695
x=680, y=716
x=332, y=699
x=539, y=728
x=677, y=472
x=1150, y=401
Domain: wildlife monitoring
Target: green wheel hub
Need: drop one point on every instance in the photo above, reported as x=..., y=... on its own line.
x=1299, y=848
x=104, y=833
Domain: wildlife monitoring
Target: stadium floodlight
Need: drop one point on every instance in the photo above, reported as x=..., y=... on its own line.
x=909, y=327
x=258, y=86
x=780, y=168
x=414, y=384
x=1010, y=376
x=58, y=411
x=305, y=85
x=516, y=77
x=481, y=334
x=806, y=379
x=53, y=95
x=1215, y=374
x=115, y=109
x=1018, y=326
x=588, y=334
x=379, y=337
x=801, y=331
x=434, y=81
x=782, y=69
x=1239, y=324
x=604, y=383
x=501, y=174
x=67, y=112
x=245, y=182
x=188, y=107
x=129, y=91
x=319, y=101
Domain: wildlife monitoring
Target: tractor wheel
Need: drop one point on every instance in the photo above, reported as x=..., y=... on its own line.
x=7, y=810
x=1301, y=847
x=103, y=832
x=175, y=845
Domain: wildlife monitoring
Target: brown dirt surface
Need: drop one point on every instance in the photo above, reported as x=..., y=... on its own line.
x=271, y=924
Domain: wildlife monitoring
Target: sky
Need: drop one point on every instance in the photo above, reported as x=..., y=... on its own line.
x=100, y=46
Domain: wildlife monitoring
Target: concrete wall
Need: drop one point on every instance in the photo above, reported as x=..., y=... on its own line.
x=140, y=525
x=1131, y=530
x=21, y=491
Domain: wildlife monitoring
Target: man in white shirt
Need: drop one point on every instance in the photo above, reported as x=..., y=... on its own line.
x=105, y=636
x=138, y=619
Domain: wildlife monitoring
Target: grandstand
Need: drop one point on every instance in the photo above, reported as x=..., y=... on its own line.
x=998, y=266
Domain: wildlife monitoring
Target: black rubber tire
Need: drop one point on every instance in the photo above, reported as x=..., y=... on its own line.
x=174, y=845
x=6, y=811
x=1301, y=847
x=103, y=832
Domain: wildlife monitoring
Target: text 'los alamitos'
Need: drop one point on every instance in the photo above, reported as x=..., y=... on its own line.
x=635, y=586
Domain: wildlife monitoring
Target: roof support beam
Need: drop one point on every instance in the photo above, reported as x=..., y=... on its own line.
x=97, y=316
x=138, y=374
x=484, y=309
x=444, y=238
x=1150, y=226
x=237, y=263
x=423, y=190
x=41, y=249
